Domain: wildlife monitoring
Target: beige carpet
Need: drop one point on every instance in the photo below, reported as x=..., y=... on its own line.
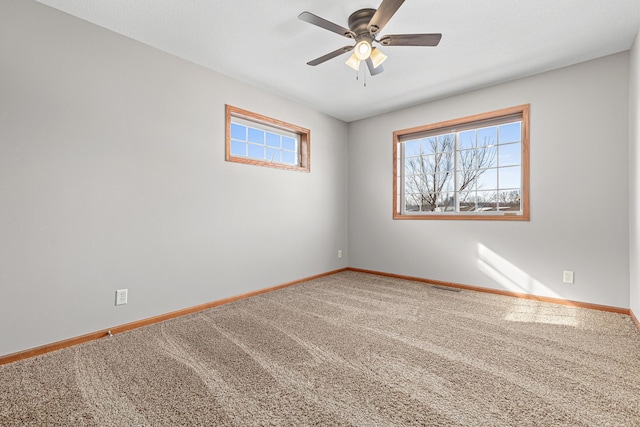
x=348, y=349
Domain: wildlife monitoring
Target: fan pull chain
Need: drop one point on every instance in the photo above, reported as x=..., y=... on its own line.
x=364, y=75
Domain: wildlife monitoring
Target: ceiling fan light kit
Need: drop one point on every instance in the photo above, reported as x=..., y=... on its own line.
x=363, y=50
x=364, y=25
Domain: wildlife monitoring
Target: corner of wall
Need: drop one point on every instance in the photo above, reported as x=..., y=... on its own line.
x=634, y=178
x=634, y=319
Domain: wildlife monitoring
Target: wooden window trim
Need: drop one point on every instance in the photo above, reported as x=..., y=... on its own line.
x=400, y=135
x=303, y=134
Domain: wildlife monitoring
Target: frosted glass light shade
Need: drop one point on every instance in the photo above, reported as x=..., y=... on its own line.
x=353, y=62
x=377, y=57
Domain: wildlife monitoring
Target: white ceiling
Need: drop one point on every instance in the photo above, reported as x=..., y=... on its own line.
x=263, y=43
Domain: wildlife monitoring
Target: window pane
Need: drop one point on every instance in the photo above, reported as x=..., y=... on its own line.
x=266, y=141
x=445, y=202
x=486, y=201
x=238, y=132
x=434, y=163
x=467, y=159
x=487, y=179
x=510, y=154
x=509, y=177
x=427, y=202
x=264, y=145
x=289, y=158
x=273, y=140
x=427, y=163
x=443, y=162
x=468, y=179
x=483, y=159
x=420, y=202
x=238, y=148
x=487, y=136
x=414, y=184
x=510, y=132
x=486, y=157
x=429, y=145
x=412, y=148
x=446, y=143
x=412, y=165
x=467, y=139
x=467, y=200
x=509, y=200
x=449, y=184
x=256, y=151
x=288, y=143
x=412, y=203
x=436, y=182
x=410, y=185
x=273, y=155
x=256, y=135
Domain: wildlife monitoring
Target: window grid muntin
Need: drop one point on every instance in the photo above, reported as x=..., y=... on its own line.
x=304, y=145
x=458, y=148
x=265, y=130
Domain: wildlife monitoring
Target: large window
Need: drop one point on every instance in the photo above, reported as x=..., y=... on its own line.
x=260, y=140
x=471, y=168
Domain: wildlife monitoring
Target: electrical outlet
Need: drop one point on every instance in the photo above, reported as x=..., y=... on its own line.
x=339, y=253
x=121, y=297
x=567, y=276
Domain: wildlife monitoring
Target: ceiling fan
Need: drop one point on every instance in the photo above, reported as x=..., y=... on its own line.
x=364, y=26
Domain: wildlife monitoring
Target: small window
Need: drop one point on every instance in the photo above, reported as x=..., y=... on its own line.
x=259, y=140
x=471, y=168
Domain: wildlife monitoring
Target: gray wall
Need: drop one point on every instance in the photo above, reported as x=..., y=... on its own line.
x=112, y=175
x=634, y=175
x=579, y=192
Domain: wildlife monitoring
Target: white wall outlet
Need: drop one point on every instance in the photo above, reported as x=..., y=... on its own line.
x=339, y=253
x=121, y=297
x=567, y=276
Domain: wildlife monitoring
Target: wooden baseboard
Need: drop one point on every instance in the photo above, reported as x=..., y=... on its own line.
x=160, y=318
x=499, y=292
x=47, y=348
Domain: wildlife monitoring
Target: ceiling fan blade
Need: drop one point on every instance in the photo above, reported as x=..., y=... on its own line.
x=330, y=55
x=374, y=71
x=411, y=40
x=327, y=25
x=386, y=10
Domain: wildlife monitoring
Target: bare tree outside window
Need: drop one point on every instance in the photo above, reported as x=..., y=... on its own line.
x=430, y=176
x=472, y=168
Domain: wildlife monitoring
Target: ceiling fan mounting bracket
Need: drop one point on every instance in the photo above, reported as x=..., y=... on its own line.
x=359, y=21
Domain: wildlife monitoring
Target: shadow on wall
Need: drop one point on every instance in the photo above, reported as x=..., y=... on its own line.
x=514, y=279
